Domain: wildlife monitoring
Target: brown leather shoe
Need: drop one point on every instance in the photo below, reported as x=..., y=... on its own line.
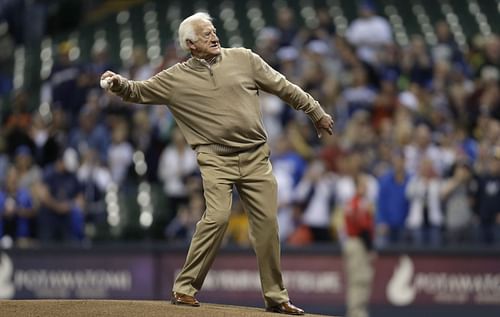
x=286, y=308
x=183, y=299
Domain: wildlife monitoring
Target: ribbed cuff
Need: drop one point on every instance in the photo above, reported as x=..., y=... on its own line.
x=317, y=113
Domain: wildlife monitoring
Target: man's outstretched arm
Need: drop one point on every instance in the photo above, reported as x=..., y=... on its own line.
x=155, y=90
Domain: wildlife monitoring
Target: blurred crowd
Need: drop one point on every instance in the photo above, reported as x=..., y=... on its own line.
x=416, y=142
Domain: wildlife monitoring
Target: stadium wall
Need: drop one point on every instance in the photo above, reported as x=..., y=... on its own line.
x=413, y=282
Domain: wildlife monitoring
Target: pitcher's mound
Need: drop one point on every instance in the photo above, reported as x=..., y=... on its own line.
x=123, y=308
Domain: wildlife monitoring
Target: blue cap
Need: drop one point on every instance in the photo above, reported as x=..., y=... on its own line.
x=23, y=150
x=367, y=5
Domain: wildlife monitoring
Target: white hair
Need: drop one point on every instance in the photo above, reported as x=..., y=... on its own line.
x=186, y=28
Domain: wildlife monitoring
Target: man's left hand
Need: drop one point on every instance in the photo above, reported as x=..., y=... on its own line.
x=324, y=124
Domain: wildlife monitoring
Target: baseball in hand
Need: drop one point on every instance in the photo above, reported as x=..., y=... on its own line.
x=106, y=83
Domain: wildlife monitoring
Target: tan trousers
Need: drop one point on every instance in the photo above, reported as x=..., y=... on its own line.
x=251, y=173
x=359, y=277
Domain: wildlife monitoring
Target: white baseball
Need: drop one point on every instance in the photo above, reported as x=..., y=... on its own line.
x=106, y=83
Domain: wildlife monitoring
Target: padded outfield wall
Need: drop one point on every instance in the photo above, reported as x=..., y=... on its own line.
x=409, y=282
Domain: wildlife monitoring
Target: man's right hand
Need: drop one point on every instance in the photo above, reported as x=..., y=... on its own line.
x=115, y=79
x=324, y=124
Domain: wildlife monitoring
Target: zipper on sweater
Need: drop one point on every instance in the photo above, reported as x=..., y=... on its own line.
x=209, y=66
x=212, y=75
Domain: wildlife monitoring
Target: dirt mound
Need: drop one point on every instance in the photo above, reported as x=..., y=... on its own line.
x=122, y=308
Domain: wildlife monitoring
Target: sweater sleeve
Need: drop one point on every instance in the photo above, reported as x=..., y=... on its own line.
x=155, y=90
x=275, y=83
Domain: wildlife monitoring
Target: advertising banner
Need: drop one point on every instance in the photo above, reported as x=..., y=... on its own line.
x=314, y=279
x=76, y=275
x=406, y=280
x=402, y=280
x=437, y=280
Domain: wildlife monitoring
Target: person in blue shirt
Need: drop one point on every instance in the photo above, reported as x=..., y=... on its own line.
x=16, y=209
x=392, y=204
x=61, y=213
x=487, y=200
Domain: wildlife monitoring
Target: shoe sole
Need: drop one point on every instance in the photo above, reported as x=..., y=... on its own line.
x=270, y=310
x=175, y=302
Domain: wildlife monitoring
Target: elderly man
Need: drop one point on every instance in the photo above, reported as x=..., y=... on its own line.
x=214, y=97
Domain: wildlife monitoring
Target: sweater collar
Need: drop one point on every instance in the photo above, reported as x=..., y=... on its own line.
x=195, y=62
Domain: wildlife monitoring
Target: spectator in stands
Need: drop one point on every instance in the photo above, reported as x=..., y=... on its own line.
x=385, y=102
x=171, y=56
x=177, y=162
x=447, y=49
x=289, y=63
x=95, y=179
x=359, y=133
x=392, y=203
x=455, y=194
x=286, y=158
x=359, y=95
x=4, y=160
x=352, y=172
x=29, y=174
x=288, y=168
x=17, y=215
x=120, y=152
x=487, y=199
x=369, y=33
x=66, y=85
x=285, y=22
x=43, y=140
x=484, y=103
x=351, y=167
x=490, y=66
x=357, y=249
x=139, y=67
x=16, y=121
x=61, y=213
x=326, y=24
x=99, y=63
x=272, y=113
x=145, y=138
x=183, y=226
x=467, y=146
x=425, y=217
x=416, y=63
x=315, y=193
x=316, y=66
x=90, y=133
x=267, y=44
x=422, y=148
x=287, y=219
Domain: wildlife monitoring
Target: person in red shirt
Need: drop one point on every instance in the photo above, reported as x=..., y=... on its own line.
x=357, y=250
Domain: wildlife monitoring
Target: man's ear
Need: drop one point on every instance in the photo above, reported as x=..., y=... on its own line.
x=190, y=44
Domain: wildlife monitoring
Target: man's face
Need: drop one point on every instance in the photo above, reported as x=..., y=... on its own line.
x=207, y=45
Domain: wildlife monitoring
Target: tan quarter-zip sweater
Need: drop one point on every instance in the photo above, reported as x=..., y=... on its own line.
x=218, y=106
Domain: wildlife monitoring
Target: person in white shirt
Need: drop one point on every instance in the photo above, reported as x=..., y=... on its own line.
x=177, y=162
x=120, y=153
x=369, y=33
x=316, y=191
